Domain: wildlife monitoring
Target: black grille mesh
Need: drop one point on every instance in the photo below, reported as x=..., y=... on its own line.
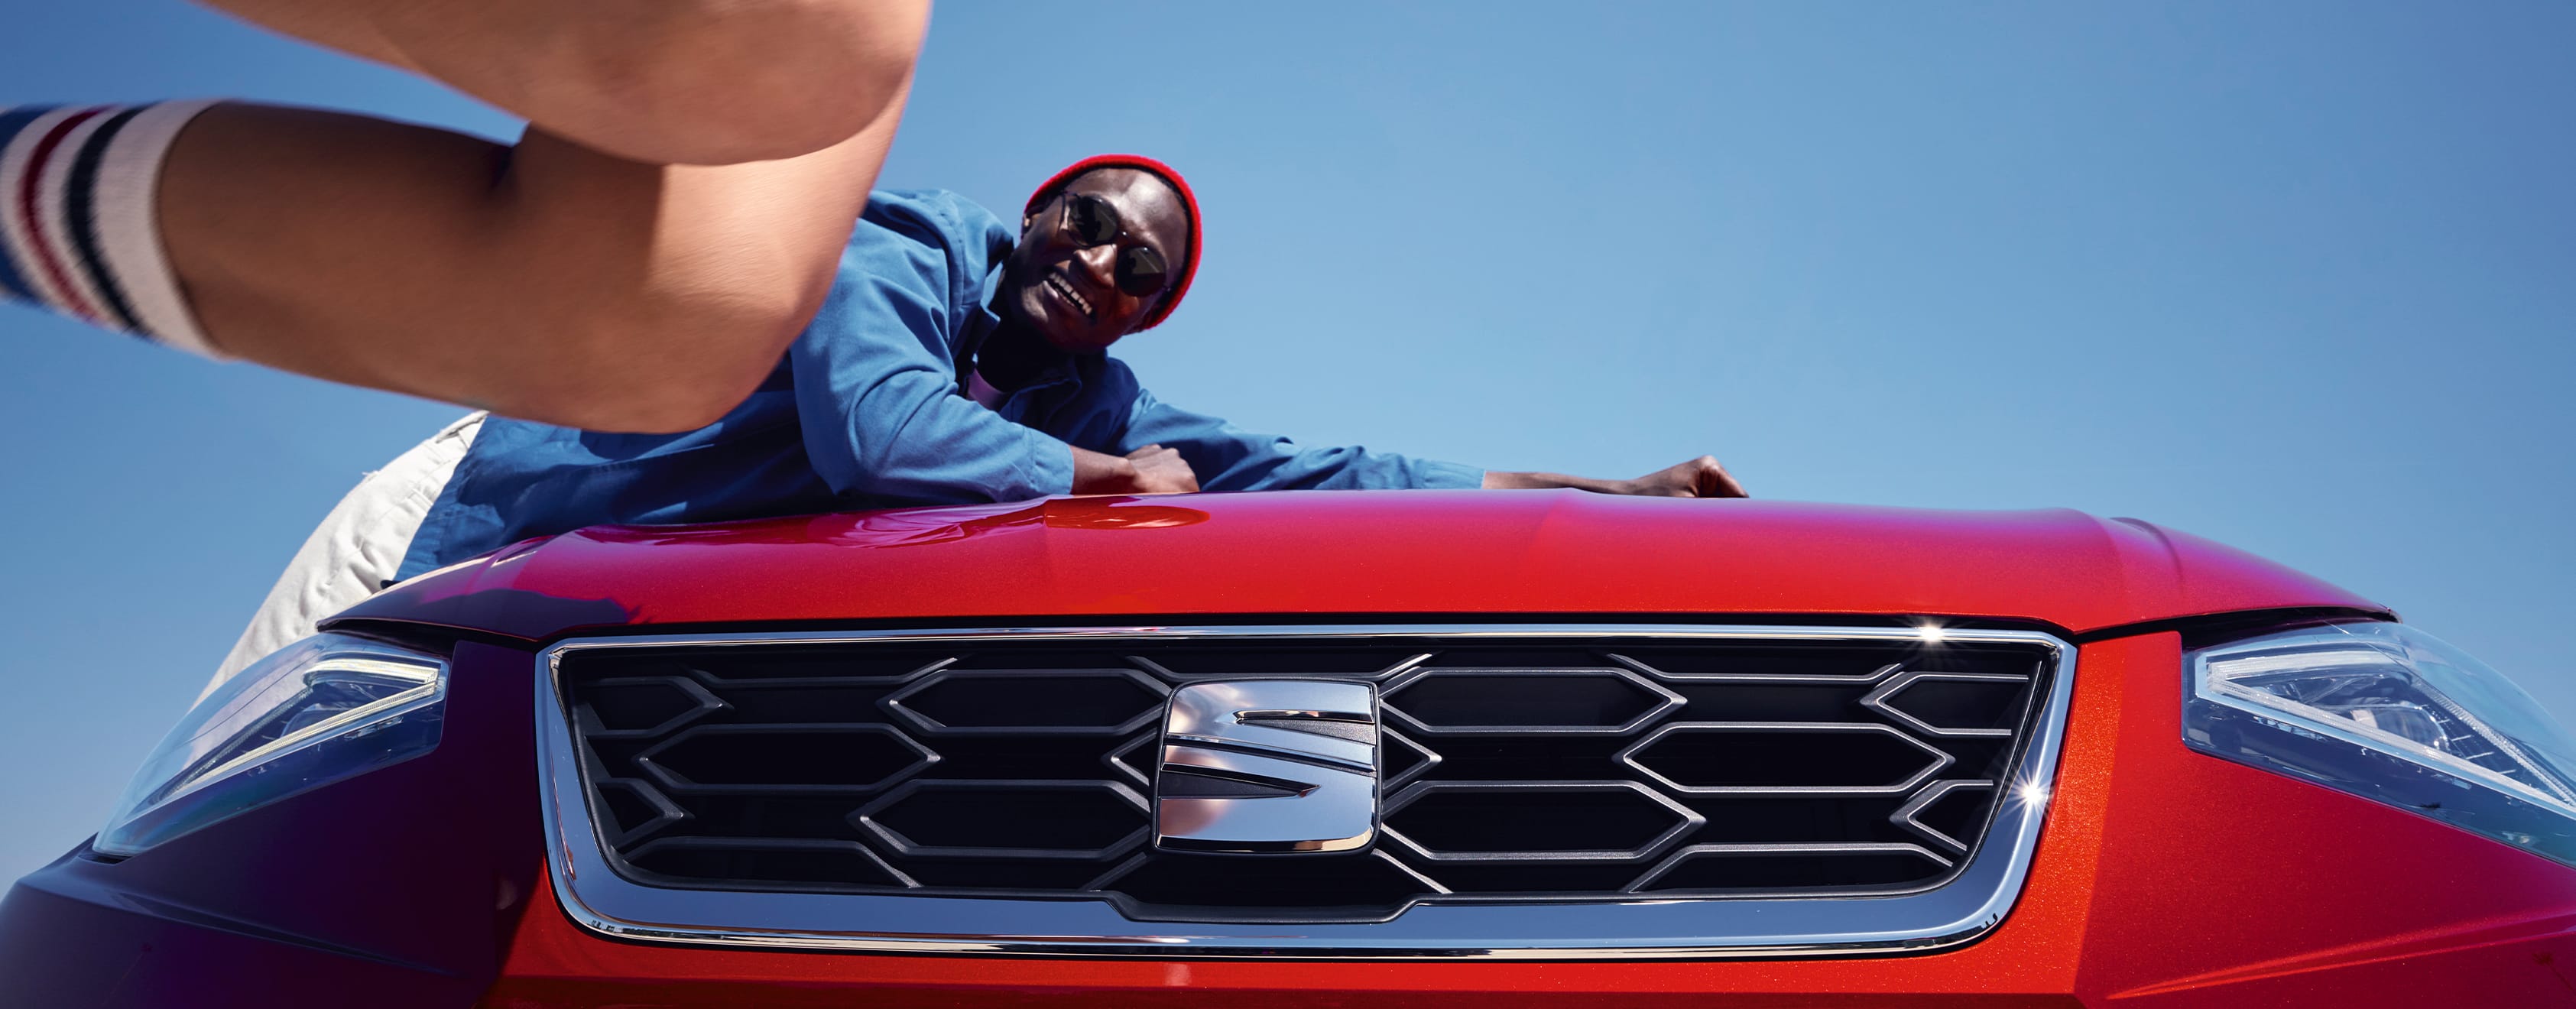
x=1511, y=769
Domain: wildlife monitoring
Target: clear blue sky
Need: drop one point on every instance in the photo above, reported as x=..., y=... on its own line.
x=2297, y=276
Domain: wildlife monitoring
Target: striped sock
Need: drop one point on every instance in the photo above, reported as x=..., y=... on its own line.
x=78, y=232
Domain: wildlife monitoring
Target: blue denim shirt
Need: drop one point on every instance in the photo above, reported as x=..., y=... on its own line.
x=865, y=411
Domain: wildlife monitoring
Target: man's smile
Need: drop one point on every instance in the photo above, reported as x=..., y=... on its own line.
x=1063, y=287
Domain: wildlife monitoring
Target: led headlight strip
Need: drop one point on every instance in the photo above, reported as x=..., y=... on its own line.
x=2394, y=714
x=322, y=710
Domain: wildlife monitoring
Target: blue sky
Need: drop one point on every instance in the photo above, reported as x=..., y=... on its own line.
x=2300, y=277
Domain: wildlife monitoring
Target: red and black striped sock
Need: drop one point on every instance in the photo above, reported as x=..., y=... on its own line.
x=78, y=232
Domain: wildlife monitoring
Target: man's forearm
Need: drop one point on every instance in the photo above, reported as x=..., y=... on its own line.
x=1701, y=477
x=1101, y=473
x=1149, y=470
x=1502, y=480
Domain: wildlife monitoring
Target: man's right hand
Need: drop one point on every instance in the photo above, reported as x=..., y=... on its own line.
x=1161, y=470
x=1149, y=470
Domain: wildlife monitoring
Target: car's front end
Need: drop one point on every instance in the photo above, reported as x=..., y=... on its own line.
x=1430, y=748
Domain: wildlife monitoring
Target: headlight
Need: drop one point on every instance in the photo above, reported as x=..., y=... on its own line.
x=323, y=709
x=2390, y=713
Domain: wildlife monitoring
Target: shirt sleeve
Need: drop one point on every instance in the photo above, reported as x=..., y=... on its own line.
x=1229, y=458
x=876, y=380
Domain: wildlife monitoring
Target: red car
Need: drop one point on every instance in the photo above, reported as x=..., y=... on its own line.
x=1312, y=748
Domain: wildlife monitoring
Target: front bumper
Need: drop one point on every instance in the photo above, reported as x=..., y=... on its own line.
x=2162, y=878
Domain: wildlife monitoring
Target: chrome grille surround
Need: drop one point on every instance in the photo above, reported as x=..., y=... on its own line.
x=1972, y=900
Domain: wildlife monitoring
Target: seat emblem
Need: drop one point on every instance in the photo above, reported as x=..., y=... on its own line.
x=1268, y=766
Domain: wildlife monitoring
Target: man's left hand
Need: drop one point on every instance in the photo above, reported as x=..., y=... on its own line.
x=1701, y=477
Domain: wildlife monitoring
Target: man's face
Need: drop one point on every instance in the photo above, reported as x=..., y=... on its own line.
x=1068, y=289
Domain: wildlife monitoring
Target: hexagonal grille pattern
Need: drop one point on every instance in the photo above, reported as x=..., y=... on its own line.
x=1514, y=769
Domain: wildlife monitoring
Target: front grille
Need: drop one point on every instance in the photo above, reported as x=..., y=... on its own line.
x=1513, y=769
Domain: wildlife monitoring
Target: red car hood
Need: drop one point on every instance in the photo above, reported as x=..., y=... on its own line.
x=1356, y=553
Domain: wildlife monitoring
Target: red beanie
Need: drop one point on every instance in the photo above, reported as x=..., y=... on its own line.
x=1189, y=266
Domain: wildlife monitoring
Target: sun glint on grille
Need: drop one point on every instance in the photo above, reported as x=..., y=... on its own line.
x=1512, y=769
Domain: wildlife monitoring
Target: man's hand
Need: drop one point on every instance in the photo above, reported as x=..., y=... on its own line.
x=1149, y=470
x=1161, y=470
x=1701, y=477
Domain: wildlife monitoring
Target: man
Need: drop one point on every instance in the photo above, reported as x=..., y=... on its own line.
x=956, y=359
x=635, y=262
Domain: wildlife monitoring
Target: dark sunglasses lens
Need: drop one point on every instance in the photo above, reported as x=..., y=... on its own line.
x=1140, y=271
x=1094, y=220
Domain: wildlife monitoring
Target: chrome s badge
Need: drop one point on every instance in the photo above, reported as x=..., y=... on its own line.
x=1268, y=766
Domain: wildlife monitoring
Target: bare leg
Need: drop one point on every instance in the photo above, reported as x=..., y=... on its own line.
x=547, y=281
x=661, y=81
x=628, y=265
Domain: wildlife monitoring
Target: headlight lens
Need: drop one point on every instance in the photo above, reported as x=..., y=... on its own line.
x=2390, y=713
x=324, y=709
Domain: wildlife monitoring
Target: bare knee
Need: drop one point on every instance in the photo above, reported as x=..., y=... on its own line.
x=728, y=81
x=703, y=82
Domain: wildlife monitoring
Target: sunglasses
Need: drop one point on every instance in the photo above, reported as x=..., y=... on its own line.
x=1140, y=270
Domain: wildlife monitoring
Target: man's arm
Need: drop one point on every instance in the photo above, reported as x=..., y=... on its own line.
x=1152, y=469
x=876, y=380
x=1226, y=457
x=1701, y=477
x=886, y=426
x=699, y=82
x=546, y=281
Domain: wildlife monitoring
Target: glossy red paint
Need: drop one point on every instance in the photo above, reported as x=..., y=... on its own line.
x=2193, y=882
x=2223, y=885
x=2164, y=878
x=1447, y=552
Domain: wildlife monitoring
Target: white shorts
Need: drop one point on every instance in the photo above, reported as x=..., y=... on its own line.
x=357, y=548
